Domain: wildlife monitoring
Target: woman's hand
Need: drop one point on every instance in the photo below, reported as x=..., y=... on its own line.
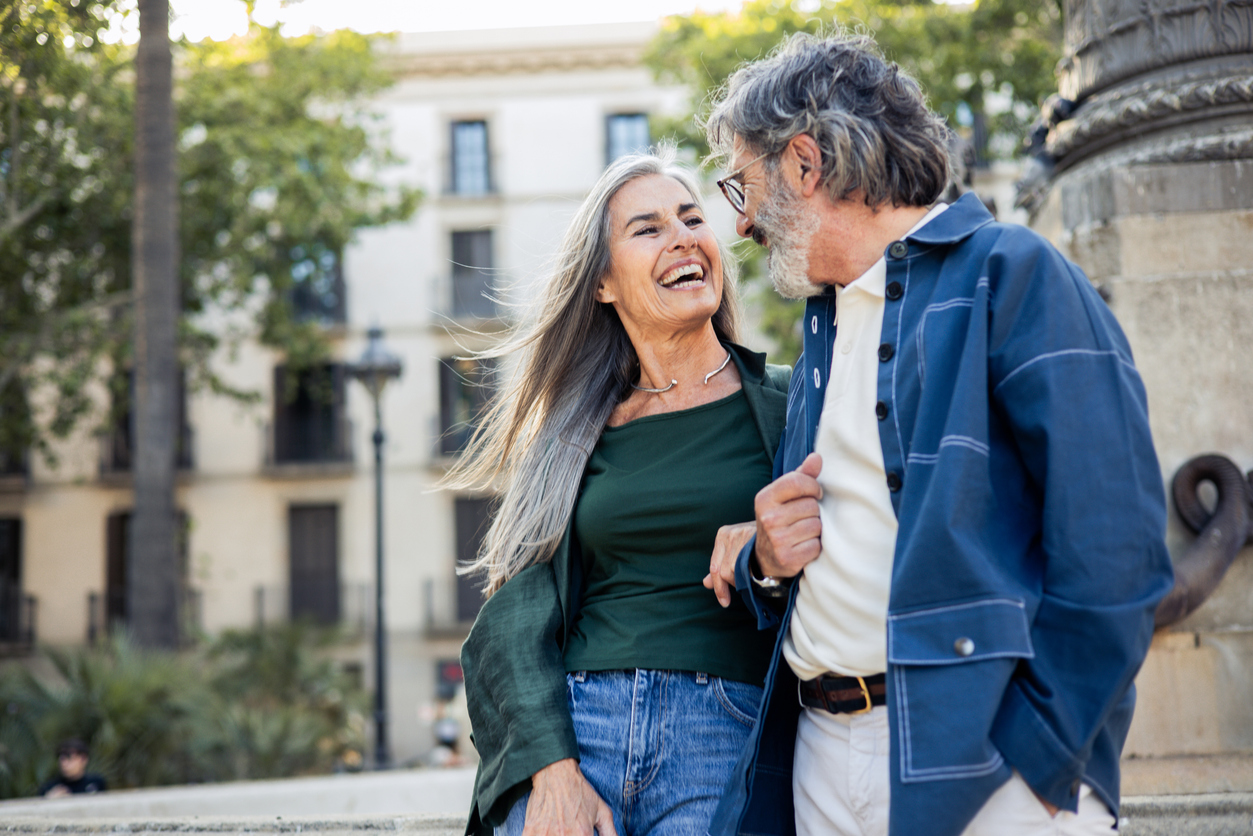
x=730, y=541
x=563, y=803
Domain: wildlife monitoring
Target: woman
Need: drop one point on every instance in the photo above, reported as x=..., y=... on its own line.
x=606, y=686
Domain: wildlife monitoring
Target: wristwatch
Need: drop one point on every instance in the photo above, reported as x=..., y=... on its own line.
x=767, y=585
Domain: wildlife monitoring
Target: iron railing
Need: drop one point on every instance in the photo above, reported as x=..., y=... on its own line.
x=348, y=606
x=17, y=619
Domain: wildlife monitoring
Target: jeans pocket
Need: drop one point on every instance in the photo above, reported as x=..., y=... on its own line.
x=740, y=699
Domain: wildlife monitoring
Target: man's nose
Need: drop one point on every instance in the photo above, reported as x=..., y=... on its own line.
x=743, y=226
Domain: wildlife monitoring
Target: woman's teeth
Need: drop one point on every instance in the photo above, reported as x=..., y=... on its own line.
x=675, y=278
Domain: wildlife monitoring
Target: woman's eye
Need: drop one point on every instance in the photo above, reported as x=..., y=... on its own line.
x=646, y=230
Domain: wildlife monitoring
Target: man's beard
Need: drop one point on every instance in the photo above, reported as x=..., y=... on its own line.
x=782, y=219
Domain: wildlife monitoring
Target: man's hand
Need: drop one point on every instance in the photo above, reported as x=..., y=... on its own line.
x=727, y=547
x=788, y=527
x=563, y=803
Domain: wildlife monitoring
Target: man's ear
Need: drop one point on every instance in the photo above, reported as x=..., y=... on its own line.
x=807, y=158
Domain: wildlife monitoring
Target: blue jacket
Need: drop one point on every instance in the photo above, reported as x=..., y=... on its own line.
x=1031, y=520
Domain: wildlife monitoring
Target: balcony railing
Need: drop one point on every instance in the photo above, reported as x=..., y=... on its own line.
x=117, y=452
x=17, y=620
x=348, y=606
x=319, y=441
x=106, y=612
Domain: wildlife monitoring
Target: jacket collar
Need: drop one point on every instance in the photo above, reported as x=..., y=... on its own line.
x=752, y=364
x=956, y=223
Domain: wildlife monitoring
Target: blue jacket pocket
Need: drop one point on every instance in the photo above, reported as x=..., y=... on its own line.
x=949, y=666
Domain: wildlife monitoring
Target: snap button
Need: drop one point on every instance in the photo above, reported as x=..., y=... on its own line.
x=814, y=324
x=964, y=646
x=894, y=485
x=898, y=249
x=894, y=291
x=885, y=352
x=881, y=410
x=846, y=348
x=817, y=380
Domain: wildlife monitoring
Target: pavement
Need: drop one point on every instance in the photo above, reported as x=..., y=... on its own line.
x=1184, y=796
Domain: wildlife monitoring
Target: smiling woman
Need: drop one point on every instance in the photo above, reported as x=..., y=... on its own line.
x=631, y=442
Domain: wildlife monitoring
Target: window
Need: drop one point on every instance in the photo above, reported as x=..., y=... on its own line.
x=16, y=609
x=471, y=275
x=626, y=133
x=465, y=387
x=310, y=424
x=470, y=171
x=118, y=442
x=15, y=428
x=313, y=550
x=473, y=516
x=317, y=291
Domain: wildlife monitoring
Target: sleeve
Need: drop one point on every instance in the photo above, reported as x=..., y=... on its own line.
x=1063, y=380
x=516, y=689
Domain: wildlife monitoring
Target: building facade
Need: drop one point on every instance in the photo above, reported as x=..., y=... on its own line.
x=505, y=131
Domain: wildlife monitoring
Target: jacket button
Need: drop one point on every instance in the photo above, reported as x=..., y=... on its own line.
x=898, y=249
x=964, y=646
x=894, y=291
x=894, y=482
x=885, y=352
x=881, y=410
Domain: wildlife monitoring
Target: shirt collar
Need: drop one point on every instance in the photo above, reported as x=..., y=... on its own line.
x=873, y=280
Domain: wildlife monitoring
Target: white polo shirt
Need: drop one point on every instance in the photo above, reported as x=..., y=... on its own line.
x=839, y=623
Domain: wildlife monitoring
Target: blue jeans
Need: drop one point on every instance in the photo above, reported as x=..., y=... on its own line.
x=658, y=746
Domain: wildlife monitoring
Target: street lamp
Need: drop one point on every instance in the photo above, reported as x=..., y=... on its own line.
x=377, y=366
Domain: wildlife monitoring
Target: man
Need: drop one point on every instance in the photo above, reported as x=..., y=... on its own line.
x=963, y=547
x=72, y=776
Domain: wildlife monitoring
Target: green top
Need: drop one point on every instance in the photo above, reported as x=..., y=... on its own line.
x=516, y=689
x=655, y=493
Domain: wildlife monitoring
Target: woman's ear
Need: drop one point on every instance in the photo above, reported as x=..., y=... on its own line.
x=604, y=292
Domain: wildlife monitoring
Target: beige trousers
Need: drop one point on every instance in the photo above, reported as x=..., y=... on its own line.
x=840, y=786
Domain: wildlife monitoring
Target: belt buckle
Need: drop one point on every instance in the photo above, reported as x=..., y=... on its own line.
x=865, y=692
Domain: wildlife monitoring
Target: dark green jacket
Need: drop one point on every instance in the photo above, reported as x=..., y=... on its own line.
x=514, y=672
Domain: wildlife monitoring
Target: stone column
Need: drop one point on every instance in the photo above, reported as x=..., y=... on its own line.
x=1148, y=186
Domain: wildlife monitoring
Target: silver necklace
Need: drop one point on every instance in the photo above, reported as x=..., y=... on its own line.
x=674, y=383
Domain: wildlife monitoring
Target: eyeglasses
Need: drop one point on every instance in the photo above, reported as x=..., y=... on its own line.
x=732, y=190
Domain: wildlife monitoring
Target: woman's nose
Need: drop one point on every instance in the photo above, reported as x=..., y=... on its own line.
x=684, y=237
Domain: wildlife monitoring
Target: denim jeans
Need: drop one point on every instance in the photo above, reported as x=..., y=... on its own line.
x=658, y=746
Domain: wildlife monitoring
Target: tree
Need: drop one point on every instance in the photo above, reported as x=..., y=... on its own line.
x=279, y=162
x=985, y=67
x=152, y=566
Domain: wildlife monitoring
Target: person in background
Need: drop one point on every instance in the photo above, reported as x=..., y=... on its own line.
x=72, y=776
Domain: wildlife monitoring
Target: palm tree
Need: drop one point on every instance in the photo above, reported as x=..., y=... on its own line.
x=152, y=573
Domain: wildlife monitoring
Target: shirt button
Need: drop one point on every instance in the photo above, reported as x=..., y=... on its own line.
x=846, y=348
x=881, y=410
x=894, y=482
x=895, y=291
x=885, y=352
x=898, y=249
x=964, y=646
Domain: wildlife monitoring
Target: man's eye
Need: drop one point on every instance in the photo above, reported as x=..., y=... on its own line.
x=694, y=220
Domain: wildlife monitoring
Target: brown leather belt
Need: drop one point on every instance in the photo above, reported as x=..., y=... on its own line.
x=844, y=694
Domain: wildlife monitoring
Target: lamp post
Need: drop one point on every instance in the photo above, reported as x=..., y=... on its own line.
x=375, y=368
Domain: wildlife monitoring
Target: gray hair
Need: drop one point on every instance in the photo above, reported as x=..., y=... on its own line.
x=869, y=118
x=574, y=364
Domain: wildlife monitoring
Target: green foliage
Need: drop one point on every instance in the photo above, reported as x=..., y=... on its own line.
x=258, y=704
x=280, y=163
x=989, y=63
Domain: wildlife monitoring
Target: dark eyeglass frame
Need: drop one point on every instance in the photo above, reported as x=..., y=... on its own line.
x=731, y=190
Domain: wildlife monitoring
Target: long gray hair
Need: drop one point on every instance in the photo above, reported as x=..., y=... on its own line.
x=574, y=364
